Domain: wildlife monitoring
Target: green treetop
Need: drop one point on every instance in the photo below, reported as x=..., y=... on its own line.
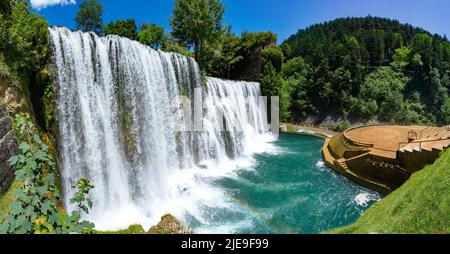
x=125, y=28
x=89, y=17
x=152, y=35
x=195, y=22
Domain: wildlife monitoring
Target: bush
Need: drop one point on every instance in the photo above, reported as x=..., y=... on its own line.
x=35, y=209
x=342, y=126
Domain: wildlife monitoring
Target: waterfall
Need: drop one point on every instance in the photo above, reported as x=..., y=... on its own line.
x=121, y=112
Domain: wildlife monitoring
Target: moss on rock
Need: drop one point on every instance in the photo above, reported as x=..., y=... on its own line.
x=131, y=230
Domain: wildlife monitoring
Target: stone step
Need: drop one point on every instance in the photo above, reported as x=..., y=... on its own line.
x=342, y=163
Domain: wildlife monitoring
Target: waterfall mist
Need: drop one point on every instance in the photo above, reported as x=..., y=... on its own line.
x=122, y=125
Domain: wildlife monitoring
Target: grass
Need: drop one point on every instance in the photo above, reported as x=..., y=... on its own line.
x=8, y=197
x=420, y=206
x=131, y=230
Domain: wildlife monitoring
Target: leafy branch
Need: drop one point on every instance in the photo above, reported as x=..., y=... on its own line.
x=35, y=209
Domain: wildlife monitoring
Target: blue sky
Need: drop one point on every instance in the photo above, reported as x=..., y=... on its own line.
x=284, y=17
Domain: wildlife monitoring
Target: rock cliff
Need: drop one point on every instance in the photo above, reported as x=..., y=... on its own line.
x=8, y=148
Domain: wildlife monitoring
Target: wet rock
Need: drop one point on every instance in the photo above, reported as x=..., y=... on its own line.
x=170, y=225
x=8, y=148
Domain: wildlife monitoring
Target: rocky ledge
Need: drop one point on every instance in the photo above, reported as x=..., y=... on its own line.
x=170, y=225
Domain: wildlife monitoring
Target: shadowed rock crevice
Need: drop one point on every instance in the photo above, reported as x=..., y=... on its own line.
x=8, y=148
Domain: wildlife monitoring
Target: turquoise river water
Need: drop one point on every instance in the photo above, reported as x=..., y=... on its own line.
x=290, y=191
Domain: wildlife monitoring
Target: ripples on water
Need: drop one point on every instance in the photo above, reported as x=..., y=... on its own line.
x=287, y=191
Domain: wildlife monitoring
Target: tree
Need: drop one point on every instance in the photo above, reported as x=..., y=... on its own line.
x=422, y=44
x=296, y=72
x=385, y=87
x=196, y=21
x=273, y=84
x=230, y=48
x=344, y=55
x=439, y=98
x=125, y=28
x=89, y=17
x=171, y=45
x=376, y=47
x=5, y=6
x=23, y=41
x=152, y=35
x=275, y=56
x=402, y=58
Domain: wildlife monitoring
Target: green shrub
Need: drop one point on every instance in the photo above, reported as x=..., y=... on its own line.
x=342, y=126
x=35, y=208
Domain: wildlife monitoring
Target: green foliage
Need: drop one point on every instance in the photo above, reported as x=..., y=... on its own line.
x=422, y=45
x=5, y=7
x=195, y=22
x=35, y=208
x=273, y=84
x=9, y=196
x=439, y=98
x=349, y=76
x=274, y=56
x=342, y=126
x=84, y=187
x=125, y=28
x=420, y=206
x=287, y=50
x=220, y=56
x=402, y=58
x=171, y=45
x=24, y=42
x=197, y=25
x=233, y=57
x=48, y=102
x=24, y=56
x=295, y=72
x=152, y=35
x=89, y=17
x=385, y=87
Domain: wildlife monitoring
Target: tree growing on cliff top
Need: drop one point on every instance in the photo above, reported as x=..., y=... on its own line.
x=195, y=22
x=125, y=28
x=89, y=17
x=152, y=35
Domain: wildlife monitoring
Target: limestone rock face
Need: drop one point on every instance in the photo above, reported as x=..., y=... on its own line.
x=170, y=225
x=8, y=148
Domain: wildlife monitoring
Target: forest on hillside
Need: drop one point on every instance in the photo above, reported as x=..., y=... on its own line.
x=363, y=69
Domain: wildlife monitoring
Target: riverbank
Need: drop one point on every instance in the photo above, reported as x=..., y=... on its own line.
x=306, y=130
x=420, y=206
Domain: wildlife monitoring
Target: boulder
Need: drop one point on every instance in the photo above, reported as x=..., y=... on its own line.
x=170, y=225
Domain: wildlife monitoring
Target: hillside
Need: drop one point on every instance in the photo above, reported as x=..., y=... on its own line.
x=421, y=205
x=369, y=69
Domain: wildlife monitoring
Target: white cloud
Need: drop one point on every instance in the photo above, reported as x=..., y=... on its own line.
x=40, y=4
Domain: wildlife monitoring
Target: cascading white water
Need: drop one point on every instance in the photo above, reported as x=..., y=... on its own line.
x=119, y=109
